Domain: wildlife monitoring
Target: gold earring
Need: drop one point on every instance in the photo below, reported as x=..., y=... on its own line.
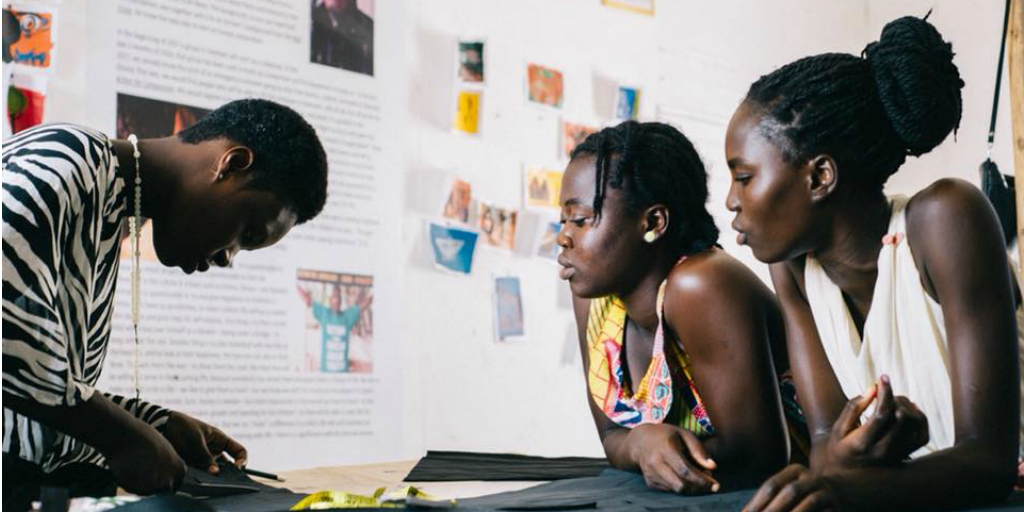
x=650, y=237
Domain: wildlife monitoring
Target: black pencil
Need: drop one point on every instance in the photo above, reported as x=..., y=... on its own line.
x=262, y=474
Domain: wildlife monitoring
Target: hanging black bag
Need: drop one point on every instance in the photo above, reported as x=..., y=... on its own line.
x=999, y=188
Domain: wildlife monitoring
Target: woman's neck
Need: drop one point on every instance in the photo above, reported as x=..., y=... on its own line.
x=849, y=254
x=642, y=299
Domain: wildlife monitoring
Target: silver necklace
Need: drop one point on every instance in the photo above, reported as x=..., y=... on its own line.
x=134, y=226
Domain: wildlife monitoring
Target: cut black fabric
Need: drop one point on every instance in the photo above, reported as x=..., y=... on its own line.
x=441, y=466
x=621, y=491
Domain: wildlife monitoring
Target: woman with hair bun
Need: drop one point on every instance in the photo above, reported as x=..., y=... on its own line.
x=899, y=312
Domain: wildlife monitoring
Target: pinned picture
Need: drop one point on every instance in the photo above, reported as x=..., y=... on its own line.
x=26, y=101
x=341, y=34
x=497, y=225
x=627, y=103
x=541, y=187
x=456, y=207
x=467, y=112
x=547, y=242
x=32, y=43
x=338, y=334
x=453, y=247
x=573, y=134
x=637, y=6
x=471, y=61
x=544, y=85
x=508, y=308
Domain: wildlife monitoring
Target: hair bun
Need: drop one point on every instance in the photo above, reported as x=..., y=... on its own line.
x=918, y=84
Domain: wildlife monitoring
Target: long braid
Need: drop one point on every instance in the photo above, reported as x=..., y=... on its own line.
x=902, y=98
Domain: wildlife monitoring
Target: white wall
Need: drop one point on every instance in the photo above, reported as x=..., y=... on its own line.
x=694, y=60
x=974, y=28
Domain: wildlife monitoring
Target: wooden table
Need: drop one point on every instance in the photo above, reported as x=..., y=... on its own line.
x=366, y=478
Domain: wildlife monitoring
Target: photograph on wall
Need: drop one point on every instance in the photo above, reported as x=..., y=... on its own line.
x=541, y=187
x=31, y=42
x=337, y=321
x=544, y=85
x=497, y=225
x=627, y=103
x=453, y=247
x=148, y=118
x=508, y=308
x=456, y=206
x=471, y=61
x=638, y=6
x=573, y=134
x=26, y=101
x=547, y=240
x=341, y=34
x=467, y=112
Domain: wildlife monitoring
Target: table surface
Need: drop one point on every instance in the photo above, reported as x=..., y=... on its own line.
x=366, y=478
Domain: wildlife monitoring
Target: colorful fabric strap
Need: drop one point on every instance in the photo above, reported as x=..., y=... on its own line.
x=652, y=402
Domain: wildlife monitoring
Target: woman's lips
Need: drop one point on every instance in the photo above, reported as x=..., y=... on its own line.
x=566, y=273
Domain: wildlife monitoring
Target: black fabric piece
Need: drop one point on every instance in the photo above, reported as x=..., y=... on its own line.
x=23, y=480
x=621, y=491
x=999, y=189
x=443, y=466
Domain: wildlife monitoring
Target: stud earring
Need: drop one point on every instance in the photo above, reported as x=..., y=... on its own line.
x=650, y=237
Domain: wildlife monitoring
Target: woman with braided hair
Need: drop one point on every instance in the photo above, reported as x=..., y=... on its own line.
x=899, y=313
x=682, y=344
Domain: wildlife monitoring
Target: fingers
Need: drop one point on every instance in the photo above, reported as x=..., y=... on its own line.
x=662, y=477
x=771, y=487
x=219, y=442
x=882, y=421
x=696, y=450
x=694, y=479
x=850, y=417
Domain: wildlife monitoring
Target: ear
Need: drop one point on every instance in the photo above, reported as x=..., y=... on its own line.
x=655, y=221
x=234, y=163
x=823, y=177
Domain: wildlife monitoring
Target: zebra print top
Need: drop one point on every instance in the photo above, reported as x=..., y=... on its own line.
x=63, y=206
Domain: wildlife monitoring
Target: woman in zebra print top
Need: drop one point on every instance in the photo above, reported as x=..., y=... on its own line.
x=239, y=179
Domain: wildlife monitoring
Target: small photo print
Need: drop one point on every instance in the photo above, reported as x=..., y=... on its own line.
x=573, y=134
x=148, y=118
x=31, y=43
x=456, y=207
x=638, y=6
x=547, y=242
x=26, y=101
x=471, y=61
x=508, y=306
x=338, y=321
x=341, y=34
x=542, y=187
x=467, y=112
x=544, y=85
x=497, y=225
x=453, y=247
x=627, y=103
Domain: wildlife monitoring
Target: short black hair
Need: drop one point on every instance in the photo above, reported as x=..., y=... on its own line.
x=288, y=158
x=654, y=163
x=901, y=97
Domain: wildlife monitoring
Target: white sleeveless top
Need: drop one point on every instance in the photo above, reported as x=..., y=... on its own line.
x=904, y=334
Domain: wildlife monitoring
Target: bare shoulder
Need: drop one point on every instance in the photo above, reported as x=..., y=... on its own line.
x=948, y=214
x=947, y=204
x=714, y=282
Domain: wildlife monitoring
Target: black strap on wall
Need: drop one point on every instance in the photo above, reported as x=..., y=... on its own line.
x=999, y=77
